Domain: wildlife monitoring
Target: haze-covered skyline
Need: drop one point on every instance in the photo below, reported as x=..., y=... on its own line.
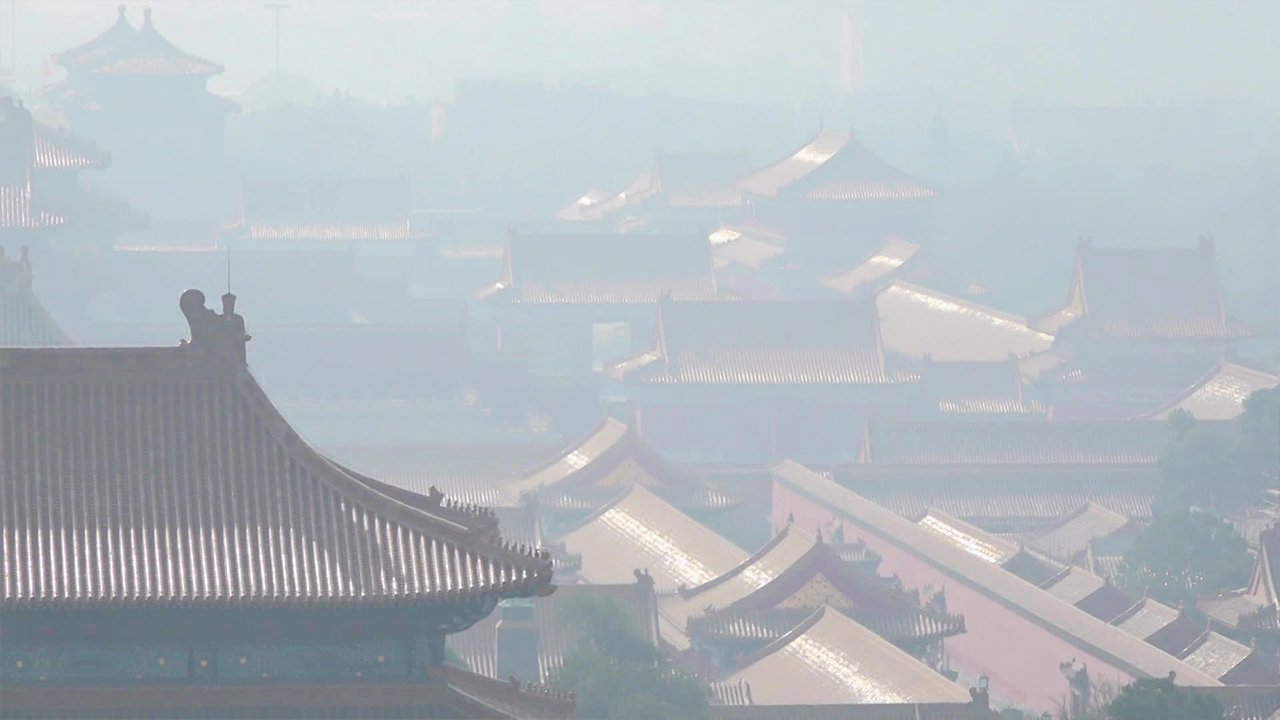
x=986, y=52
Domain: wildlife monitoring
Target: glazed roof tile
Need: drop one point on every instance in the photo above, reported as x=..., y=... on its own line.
x=93, y=519
x=834, y=166
x=831, y=659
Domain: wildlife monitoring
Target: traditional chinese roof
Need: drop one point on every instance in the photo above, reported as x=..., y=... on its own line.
x=59, y=149
x=834, y=166
x=18, y=212
x=603, y=269
x=793, y=575
x=477, y=645
x=177, y=528
x=831, y=659
x=88, y=54
x=360, y=210
x=640, y=530
x=764, y=342
x=120, y=50
x=1015, y=442
x=981, y=387
x=1247, y=702
x=1127, y=652
x=1221, y=393
x=1017, y=498
x=747, y=245
x=443, y=692
x=611, y=457
x=1169, y=293
x=876, y=267
x=916, y=321
x=1075, y=533
x=24, y=322
x=1108, y=386
x=676, y=180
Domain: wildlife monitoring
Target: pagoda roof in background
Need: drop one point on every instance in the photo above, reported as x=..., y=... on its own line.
x=678, y=180
x=123, y=50
x=362, y=210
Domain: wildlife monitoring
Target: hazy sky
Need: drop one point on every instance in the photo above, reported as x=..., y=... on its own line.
x=1070, y=51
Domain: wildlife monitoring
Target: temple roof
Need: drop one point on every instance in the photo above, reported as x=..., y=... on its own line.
x=18, y=212
x=24, y=322
x=675, y=180
x=1154, y=293
x=177, y=527
x=1220, y=394
x=1039, y=606
x=640, y=530
x=59, y=149
x=877, y=266
x=477, y=645
x=121, y=50
x=1075, y=533
x=88, y=54
x=361, y=210
x=764, y=342
x=831, y=659
x=981, y=387
x=917, y=321
x=834, y=166
x=746, y=245
x=798, y=573
x=607, y=269
x=879, y=711
x=613, y=455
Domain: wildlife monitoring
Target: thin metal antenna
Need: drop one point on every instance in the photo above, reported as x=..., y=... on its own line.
x=228, y=268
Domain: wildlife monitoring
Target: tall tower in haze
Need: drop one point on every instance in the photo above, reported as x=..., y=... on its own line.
x=851, y=61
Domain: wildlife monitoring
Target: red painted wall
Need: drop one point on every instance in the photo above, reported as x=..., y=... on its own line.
x=1020, y=657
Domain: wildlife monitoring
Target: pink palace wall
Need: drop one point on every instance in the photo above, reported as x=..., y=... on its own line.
x=1020, y=657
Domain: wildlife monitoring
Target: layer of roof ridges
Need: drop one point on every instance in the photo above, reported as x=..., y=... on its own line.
x=1041, y=607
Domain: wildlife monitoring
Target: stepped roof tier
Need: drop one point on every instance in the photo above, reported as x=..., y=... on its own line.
x=61, y=150
x=751, y=342
x=1166, y=293
x=834, y=167
x=214, y=519
x=830, y=659
x=24, y=322
x=608, y=269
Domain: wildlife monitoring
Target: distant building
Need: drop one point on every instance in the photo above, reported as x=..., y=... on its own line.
x=24, y=322
x=133, y=91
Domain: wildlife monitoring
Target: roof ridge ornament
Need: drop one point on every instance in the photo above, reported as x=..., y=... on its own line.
x=210, y=332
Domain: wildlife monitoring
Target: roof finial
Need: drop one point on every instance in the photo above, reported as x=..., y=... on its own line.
x=146, y=16
x=228, y=268
x=120, y=9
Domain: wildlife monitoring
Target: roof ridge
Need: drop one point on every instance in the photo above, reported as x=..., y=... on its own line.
x=1012, y=317
x=689, y=593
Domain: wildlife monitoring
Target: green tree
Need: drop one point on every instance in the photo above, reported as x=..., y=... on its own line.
x=1198, y=469
x=1259, y=445
x=617, y=673
x=1152, y=699
x=1185, y=555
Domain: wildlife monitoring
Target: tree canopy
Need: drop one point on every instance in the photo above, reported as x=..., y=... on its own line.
x=617, y=673
x=1185, y=555
x=1150, y=698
